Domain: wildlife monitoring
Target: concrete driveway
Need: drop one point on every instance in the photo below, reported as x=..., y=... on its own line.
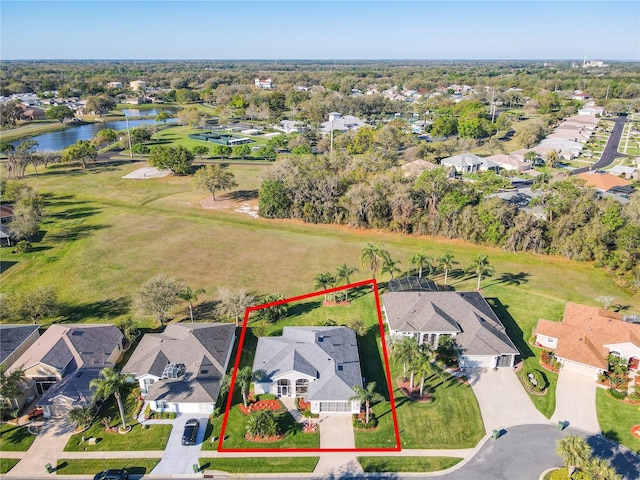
x=502, y=399
x=178, y=458
x=576, y=401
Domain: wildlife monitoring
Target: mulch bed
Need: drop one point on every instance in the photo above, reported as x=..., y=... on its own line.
x=635, y=431
x=273, y=438
x=302, y=405
x=274, y=405
x=412, y=393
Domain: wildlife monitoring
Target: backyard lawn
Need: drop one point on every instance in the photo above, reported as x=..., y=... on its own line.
x=616, y=419
x=406, y=464
x=135, y=466
x=260, y=465
x=14, y=438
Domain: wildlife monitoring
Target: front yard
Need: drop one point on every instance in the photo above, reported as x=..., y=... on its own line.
x=135, y=466
x=14, y=438
x=616, y=419
x=260, y=465
x=406, y=464
x=7, y=464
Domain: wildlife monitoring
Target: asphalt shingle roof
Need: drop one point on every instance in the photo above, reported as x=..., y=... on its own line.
x=12, y=336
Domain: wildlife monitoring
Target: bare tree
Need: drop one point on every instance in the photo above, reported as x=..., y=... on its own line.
x=234, y=303
x=157, y=295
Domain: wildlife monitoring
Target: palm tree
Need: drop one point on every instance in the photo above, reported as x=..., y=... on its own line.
x=10, y=385
x=446, y=262
x=262, y=424
x=110, y=382
x=480, y=266
x=367, y=396
x=575, y=452
x=244, y=377
x=553, y=158
x=424, y=368
x=344, y=273
x=129, y=329
x=421, y=261
x=324, y=281
x=371, y=256
x=189, y=295
x=389, y=265
x=81, y=416
x=599, y=469
x=405, y=350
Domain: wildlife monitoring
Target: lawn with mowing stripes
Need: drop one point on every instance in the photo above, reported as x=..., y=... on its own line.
x=14, y=438
x=135, y=466
x=616, y=419
x=260, y=464
x=407, y=464
x=7, y=464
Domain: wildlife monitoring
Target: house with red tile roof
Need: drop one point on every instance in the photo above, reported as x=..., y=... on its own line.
x=605, y=182
x=586, y=336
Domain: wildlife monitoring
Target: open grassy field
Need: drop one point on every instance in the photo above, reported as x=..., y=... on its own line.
x=616, y=419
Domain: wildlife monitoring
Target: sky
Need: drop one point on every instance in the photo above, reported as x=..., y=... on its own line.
x=365, y=29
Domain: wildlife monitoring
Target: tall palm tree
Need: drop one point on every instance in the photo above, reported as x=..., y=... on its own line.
x=10, y=385
x=405, y=350
x=244, y=377
x=599, y=469
x=110, y=382
x=371, y=256
x=190, y=296
x=422, y=261
x=389, y=265
x=553, y=158
x=446, y=262
x=480, y=266
x=424, y=368
x=575, y=452
x=344, y=273
x=262, y=424
x=367, y=396
x=324, y=281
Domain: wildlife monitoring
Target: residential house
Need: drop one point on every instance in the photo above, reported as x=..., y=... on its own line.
x=33, y=113
x=623, y=171
x=290, y=126
x=138, y=85
x=15, y=340
x=265, y=84
x=417, y=167
x=579, y=95
x=339, y=123
x=478, y=335
x=6, y=216
x=319, y=364
x=63, y=361
x=605, y=182
x=181, y=369
x=114, y=85
x=591, y=111
x=586, y=336
x=463, y=163
x=511, y=162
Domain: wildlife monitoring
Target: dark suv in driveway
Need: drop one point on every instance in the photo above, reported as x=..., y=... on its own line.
x=190, y=432
x=112, y=475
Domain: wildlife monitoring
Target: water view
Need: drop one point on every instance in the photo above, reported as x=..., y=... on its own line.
x=150, y=112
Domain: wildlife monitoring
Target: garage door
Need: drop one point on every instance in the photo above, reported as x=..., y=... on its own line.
x=580, y=368
x=477, y=361
x=204, y=408
x=335, y=407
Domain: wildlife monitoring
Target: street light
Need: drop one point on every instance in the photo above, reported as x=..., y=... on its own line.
x=128, y=135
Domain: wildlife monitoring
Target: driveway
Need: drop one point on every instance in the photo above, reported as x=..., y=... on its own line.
x=502, y=399
x=576, y=401
x=178, y=458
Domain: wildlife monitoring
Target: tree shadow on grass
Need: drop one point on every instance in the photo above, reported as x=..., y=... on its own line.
x=514, y=279
x=302, y=308
x=242, y=195
x=514, y=331
x=113, y=307
x=76, y=232
x=77, y=212
x=352, y=471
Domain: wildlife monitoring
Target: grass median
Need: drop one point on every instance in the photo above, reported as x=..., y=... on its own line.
x=406, y=464
x=135, y=466
x=260, y=464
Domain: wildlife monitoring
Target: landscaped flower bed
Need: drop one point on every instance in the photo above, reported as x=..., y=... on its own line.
x=534, y=381
x=274, y=405
x=548, y=361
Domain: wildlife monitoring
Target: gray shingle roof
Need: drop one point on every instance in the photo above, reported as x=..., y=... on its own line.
x=203, y=348
x=480, y=332
x=328, y=354
x=12, y=336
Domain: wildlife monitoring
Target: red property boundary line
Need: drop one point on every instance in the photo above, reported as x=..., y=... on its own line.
x=248, y=311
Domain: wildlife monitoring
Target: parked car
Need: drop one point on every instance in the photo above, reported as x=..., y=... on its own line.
x=112, y=475
x=190, y=432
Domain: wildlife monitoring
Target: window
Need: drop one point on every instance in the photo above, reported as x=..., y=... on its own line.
x=161, y=405
x=302, y=385
x=551, y=340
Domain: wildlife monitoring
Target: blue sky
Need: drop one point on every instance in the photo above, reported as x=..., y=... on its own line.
x=608, y=30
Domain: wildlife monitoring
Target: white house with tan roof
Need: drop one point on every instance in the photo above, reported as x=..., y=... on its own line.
x=586, y=336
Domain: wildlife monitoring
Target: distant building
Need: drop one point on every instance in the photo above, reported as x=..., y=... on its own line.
x=138, y=85
x=339, y=123
x=605, y=182
x=463, y=163
x=114, y=85
x=266, y=83
x=290, y=126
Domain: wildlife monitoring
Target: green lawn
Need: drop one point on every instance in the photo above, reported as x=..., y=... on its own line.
x=616, y=419
x=7, y=464
x=260, y=465
x=14, y=438
x=153, y=438
x=179, y=135
x=135, y=466
x=406, y=464
x=31, y=129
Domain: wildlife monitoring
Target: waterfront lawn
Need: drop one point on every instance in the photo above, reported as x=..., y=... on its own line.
x=7, y=464
x=135, y=466
x=616, y=419
x=14, y=438
x=260, y=464
x=406, y=464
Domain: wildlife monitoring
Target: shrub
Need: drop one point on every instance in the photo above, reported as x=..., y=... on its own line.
x=559, y=474
x=267, y=396
x=534, y=380
x=634, y=396
x=147, y=411
x=617, y=394
x=138, y=408
x=24, y=246
x=359, y=421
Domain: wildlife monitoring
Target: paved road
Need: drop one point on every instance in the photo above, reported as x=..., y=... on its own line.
x=610, y=152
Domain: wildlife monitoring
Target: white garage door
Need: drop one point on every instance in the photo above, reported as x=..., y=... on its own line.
x=194, y=408
x=477, y=361
x=580, y=368
x=335, y=407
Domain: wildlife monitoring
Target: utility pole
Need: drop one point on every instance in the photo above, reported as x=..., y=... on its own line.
x=607, y=95
x=129, y=135
x=493, y=106
x=331, y=147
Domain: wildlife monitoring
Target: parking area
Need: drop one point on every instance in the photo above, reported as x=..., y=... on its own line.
x=178, y=458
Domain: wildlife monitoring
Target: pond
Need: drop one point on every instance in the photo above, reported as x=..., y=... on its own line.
x=149, y=112
x=60, y=140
